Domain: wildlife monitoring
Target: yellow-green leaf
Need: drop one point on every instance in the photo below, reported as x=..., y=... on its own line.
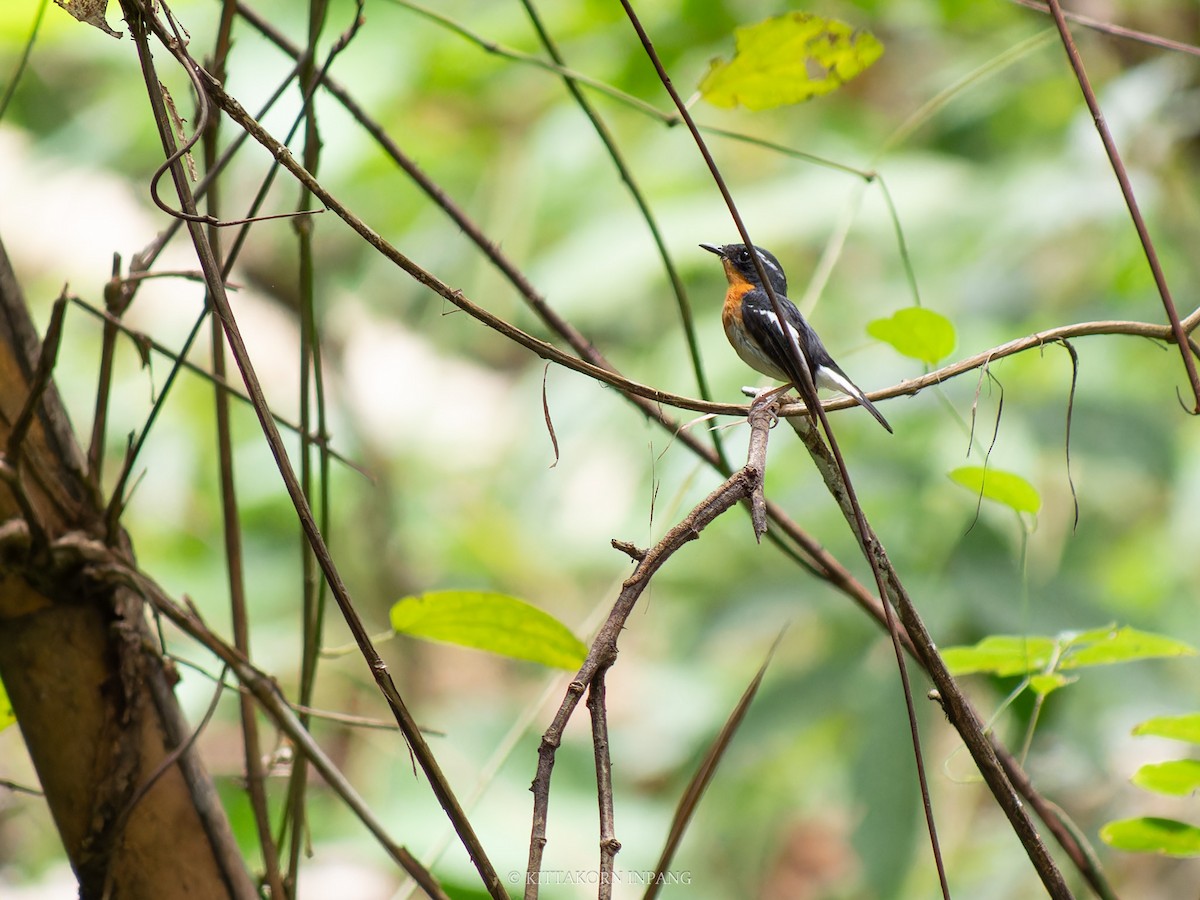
x=789, y=59
x=1044, y=684
x=1007, y=654
x=917, y=332
x=7, y=716
x=998, y=486
x=1105, y=646
x=1177, y=777
x=1000, y=654
x=1180, y=728
x=1153, y=835
x=489, y=621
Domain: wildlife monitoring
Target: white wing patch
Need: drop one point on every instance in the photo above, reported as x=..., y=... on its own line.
x=835, y=381
x=824, y=376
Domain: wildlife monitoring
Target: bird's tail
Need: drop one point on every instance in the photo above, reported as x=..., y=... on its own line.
x=832, y=378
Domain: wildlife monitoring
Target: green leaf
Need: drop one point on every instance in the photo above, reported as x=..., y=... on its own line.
x=999, y=486
x=1180, y=728
x=1006, y=655
x=789, y=59
x=1001, y=654
x=7, y=716
x=1045, y=684
x=1153, y=835
x=917, y=332
x=488, y=621
x=1177, y=777
x=1105, y=646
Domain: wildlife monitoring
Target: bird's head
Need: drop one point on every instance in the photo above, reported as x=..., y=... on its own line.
x=739, y=262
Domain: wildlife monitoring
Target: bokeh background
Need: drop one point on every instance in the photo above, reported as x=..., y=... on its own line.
x=1012, y=223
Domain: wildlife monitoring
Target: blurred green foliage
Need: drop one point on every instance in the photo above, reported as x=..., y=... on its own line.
x=1013, y=224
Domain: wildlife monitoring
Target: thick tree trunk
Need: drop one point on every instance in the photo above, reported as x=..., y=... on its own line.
x=138, y=817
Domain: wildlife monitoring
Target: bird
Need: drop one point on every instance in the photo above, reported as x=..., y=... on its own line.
x=758, y=336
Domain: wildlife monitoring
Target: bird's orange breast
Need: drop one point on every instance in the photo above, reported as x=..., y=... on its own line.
x=731, y=312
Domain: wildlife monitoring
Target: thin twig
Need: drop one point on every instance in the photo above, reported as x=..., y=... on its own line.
x=1135, y=213
x=609, y=845
x=10, y=89
x=312, y=609
x=38, y=383
x=603, y=651
x=252, y=751
x=1118, y=31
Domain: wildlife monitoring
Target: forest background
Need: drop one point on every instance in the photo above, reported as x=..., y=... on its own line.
x=961, y=173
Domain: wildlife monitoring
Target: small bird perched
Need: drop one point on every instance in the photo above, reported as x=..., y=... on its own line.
x=757, y=335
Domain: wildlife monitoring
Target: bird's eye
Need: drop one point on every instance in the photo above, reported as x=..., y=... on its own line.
x=743, y=256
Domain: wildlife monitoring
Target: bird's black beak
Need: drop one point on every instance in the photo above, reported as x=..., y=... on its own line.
x=712, y=249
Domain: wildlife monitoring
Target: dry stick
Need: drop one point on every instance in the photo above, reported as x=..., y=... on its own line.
x=256, y=776
x=1114, y=157
x=39, y=383
x=827, y=567
x=312, y=594
x=603, y=652
x=645, y=399
x=954, y=703
x=609, y=845
x=1118, y=31
x=808, y=392
x=146, y=257
x=126, y=288
x=114, y=291
x=420, y=749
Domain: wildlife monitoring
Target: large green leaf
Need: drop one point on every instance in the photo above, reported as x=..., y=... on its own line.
x=489, y=621
x=1181, y=728
x=1177, y=777
x=916, y=332
x=789, y=59
x=999, y=486
x=1153, y=835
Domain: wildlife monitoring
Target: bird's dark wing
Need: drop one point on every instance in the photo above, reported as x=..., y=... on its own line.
x=763, y=326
